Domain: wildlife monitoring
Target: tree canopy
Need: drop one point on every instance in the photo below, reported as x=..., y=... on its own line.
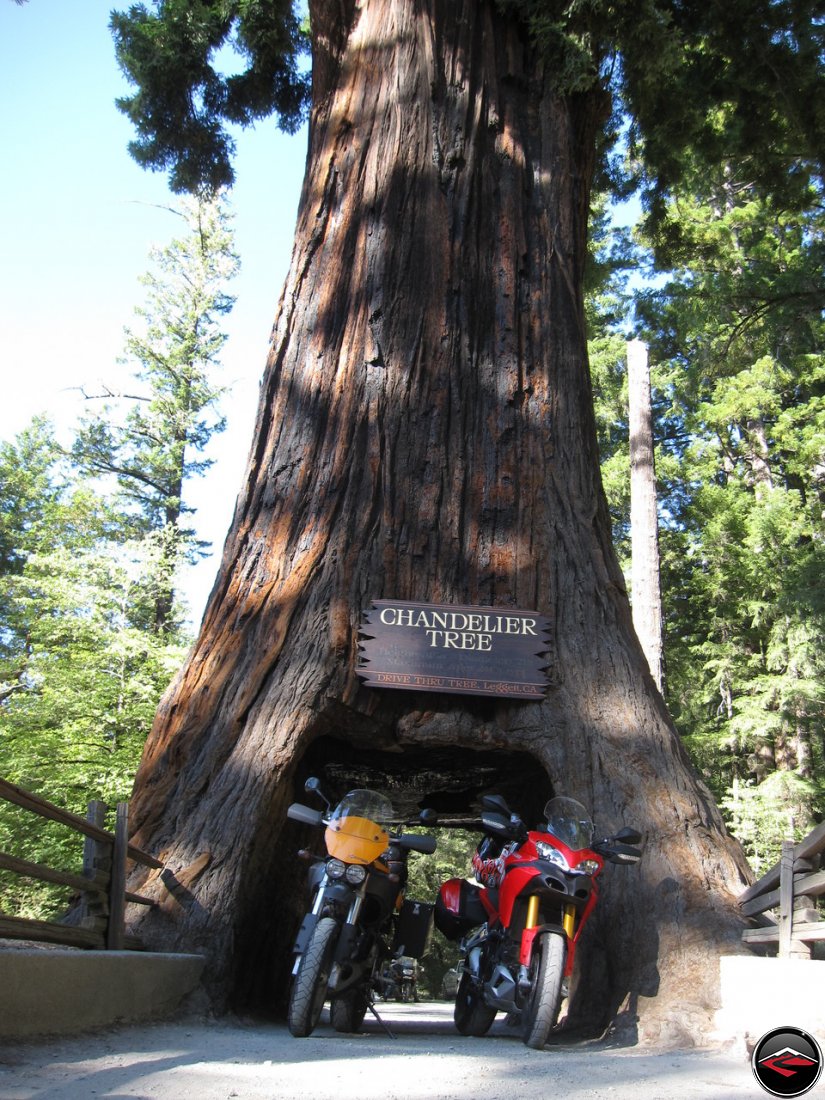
x=734, y=324
x=184, y=102
x=740, y=81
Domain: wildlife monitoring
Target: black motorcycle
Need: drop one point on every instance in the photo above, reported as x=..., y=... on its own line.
x=359, y=918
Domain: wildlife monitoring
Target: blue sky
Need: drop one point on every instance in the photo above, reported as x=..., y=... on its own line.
x=78, y=220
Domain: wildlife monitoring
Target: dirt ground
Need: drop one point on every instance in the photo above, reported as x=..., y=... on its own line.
x=425, y=1059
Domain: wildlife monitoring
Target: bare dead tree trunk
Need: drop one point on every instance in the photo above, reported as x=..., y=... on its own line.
x=646, y=585
x=426, y=432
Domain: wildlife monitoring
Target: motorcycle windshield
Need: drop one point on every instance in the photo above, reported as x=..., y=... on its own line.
x=569, y=822
x=368, y=804
x=355, y=832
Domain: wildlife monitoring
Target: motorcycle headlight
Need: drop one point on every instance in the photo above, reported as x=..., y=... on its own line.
x=336, y=868
x=355, y=874
x=587, y=866
x=551, y=854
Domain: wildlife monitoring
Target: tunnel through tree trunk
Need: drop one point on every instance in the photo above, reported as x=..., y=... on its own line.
x=425, y=432
x=450, y=780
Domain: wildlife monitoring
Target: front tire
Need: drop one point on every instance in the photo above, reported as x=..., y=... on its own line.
x=472, y=1016
x=309, y=990
x=347, y=1012
x=546, y=974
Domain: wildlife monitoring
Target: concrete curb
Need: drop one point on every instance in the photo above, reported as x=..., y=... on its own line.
x=759, y=994
x=63, y=992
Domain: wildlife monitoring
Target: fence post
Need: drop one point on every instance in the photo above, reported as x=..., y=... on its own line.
x=97, y=860
x=789, y=948
x=786, y=899
x=117, y=884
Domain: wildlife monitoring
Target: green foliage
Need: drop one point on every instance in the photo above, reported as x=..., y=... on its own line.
x=171, y=49
x=611, y=259
x=669, y=65
x=91, y=544
x=80, y=674
x=151, y=450
x=41, y=512
x=451, y=859
x=40, y=841
x=762, y=815
x=93, y=675
x=736, y=337
x=28, y=497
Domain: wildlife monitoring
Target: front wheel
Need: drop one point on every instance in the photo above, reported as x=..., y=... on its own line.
x=546, y=974
x=347, y=1012
x=472, y=1016
x=309, y=990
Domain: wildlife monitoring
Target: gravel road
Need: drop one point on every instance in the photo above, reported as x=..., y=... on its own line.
x=426, y=1060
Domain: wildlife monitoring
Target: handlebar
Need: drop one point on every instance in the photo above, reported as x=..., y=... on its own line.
x=411, y=842
x=305, y=814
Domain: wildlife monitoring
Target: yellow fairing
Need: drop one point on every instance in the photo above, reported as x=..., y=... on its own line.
x=355, y=839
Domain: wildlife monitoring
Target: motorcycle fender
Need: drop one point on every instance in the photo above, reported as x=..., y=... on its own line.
x=347, y=970
x=528, y=938
x=338, y=891
x=305, y=933
x=333, y=892
x=346, y=943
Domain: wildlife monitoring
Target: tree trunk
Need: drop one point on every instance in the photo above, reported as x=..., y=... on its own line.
x=426, y=432
x=646, y=586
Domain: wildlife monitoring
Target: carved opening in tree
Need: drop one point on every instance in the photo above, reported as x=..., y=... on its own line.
x=450, y=780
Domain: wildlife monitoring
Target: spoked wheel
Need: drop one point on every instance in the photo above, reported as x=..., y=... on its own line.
x=309, y=990
x=472, y=1016
x=347, y=1012
x=546, y=974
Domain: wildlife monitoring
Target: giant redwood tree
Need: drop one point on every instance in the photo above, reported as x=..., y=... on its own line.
x=426, y=432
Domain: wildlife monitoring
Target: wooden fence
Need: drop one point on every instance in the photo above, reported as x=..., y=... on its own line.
x=790, y=889
x=98, y=922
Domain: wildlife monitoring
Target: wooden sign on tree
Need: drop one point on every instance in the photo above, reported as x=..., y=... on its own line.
x=463, y=650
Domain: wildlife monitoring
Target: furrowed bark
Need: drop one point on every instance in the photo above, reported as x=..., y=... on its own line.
x=425, y=432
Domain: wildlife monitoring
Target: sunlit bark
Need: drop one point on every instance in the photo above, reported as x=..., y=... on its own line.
x=426, y=432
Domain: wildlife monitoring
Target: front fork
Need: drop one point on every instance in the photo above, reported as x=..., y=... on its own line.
x=568, y=923
x=315, y=912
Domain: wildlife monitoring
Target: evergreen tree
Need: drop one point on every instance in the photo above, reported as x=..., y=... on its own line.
x=153, y=449
x=739, y=331
x=184, y=103
x=40, y=512
x=88, y=630
x=80, y=674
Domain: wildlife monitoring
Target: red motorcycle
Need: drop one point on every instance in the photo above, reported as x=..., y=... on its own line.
x=519, y=923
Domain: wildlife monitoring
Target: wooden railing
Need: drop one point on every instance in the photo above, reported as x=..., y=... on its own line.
x=98, y=922
x=790, y=889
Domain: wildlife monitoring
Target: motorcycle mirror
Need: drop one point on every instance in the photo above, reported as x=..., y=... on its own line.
x=623, y=853
x=495, y=802
x=428, y=816
x=496, y=823
x=628, y=836
x=313, y=786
